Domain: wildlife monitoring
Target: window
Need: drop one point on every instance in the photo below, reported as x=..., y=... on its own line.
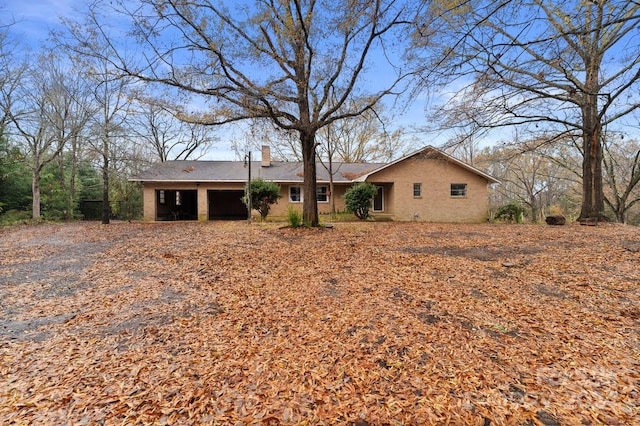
x=417, y=190
x=322, y=194
x=295, y=194
x=458, y=189
x=161, y=197
x=178, y=198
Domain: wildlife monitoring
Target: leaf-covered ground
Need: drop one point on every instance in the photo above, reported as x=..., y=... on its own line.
x=374, y=323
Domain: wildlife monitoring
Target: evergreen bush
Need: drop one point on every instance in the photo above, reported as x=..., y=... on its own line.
x=512, y=212
x=263, y=195
x=358, y=199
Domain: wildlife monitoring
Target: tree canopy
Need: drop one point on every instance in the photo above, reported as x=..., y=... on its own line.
x=553, y=70
x=312, y=57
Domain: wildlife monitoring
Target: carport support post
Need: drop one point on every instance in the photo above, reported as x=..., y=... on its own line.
x=248, y=160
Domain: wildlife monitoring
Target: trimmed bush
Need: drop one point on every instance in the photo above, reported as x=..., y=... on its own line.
x=263, y=195
x=357, y=199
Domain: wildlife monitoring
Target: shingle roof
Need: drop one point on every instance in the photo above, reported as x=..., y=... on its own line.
x=235, y=171
x=279, y=171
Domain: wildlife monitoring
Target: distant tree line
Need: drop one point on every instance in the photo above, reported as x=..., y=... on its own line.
x=72, y=132
x=546, y=180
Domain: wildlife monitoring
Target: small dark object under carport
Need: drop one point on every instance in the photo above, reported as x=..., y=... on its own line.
x=555, y=220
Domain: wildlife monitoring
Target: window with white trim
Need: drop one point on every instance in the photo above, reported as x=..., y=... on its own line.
x=458, y=189
x=417, y=190
x=295, y=194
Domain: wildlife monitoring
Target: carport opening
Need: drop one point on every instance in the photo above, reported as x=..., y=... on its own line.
x=226, y=204
x=176, y=204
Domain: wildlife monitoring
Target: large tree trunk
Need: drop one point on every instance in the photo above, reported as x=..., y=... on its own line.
x=310, y=204
x=592, y=191
x=593, y=196
x=536, y=212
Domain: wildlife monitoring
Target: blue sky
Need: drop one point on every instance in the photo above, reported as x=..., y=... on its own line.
x=33, y=20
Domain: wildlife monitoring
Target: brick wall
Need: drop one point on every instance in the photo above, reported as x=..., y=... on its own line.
x=435, y=203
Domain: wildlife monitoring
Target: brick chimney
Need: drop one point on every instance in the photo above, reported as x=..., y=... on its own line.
x=266, y=156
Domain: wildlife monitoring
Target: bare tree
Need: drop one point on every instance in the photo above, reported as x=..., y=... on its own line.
x=38, y=108
x=356, y=140
x=463, y=146
x=10, y=73
x=622, y=175
x=563, y=68
x=278, y=60
x=533, y=178
x=111, y=95
x=285, y=143
x=109, y=122
x=365, y=138
x=168, y=138
x=70, y=109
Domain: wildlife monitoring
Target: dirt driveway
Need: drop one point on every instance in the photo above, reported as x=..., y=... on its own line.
x=50, y=272
x=38, y=264
x=375, y=323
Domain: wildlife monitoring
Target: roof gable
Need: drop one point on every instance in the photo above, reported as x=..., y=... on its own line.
x=433, y=153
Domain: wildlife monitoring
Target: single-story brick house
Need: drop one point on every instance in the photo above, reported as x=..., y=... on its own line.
x=427, y=185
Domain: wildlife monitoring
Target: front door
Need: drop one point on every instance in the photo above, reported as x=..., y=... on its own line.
x=378, y=199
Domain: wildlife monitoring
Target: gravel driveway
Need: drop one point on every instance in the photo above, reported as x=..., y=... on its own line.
x=43, y=262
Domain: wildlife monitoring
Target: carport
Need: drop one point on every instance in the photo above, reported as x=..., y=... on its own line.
x=176, y=204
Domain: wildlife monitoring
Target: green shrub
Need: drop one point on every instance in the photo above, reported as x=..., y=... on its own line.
x=54, y=215
x=294, y=217
x=512, y=212
x=263, y=195
x=357, y=199
x=12, y=217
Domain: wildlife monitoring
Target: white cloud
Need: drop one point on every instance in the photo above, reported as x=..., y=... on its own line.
x=33, y=19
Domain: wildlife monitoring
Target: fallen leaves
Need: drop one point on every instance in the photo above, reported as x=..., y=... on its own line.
x=394, y=323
